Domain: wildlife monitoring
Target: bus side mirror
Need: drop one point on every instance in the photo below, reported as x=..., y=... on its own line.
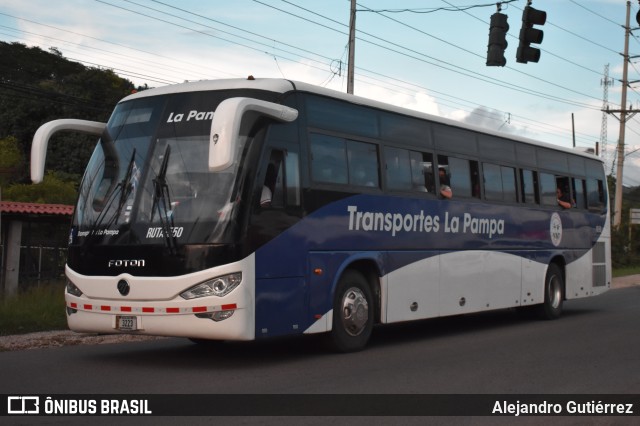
x=44, y=133
x=229, y=124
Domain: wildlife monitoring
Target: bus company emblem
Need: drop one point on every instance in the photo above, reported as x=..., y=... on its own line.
x=120, y=263
x=123, y=287
x=555, y=229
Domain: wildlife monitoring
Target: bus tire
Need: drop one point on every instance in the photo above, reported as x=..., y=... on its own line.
x=353, y=313
x=551, y=308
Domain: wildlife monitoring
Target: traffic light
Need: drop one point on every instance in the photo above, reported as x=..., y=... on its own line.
x=528, y=34
x=497, y=40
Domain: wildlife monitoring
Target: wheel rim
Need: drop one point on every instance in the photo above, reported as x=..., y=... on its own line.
x=355, y=311
x=555, y=292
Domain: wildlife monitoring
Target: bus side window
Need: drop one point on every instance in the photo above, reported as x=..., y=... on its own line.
x=422, y=179
x=398, y=169
x=328, y=159
x=292, y=178
x=363, y=164
x=548, y=189
x=492, y=182
x=409, y=170
x=529, y=187
x=444, y=177
x=595, y=195
x=271, y=193
x=499, y=182
x=563, y=193
x=579, y=192
x=282, y=180
x=463, y=175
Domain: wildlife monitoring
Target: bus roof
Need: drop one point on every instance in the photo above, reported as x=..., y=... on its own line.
x=284, y=86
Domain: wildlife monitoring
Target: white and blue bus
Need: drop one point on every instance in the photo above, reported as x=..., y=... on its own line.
x=246, y=209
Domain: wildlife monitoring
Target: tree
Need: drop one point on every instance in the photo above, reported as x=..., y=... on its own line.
x=37, y=87
x=11, y=160
x=53, y=189
x=625, y=248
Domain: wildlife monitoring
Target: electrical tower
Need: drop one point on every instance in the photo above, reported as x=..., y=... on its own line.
x=605, y=82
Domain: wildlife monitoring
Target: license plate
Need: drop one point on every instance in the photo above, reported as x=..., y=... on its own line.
x=126, y=323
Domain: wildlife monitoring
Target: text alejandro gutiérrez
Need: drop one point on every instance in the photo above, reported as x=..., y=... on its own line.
x=569, y=408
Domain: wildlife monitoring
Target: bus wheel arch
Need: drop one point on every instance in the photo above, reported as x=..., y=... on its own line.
x=554, y=291
x=355, y=309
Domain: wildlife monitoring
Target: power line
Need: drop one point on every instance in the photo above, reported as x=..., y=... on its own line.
x=207, y=34
x=595, y=13
x=109, y=53
x=98, y=39
x=560, y=57
x=324, y=65
x=227, y=25
x=466, y=72
x=482, y=57
x=437, y=9
x=440, y=63
x=316, y=14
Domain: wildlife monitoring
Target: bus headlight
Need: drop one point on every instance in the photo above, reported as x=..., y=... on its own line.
x=73, y=290
x=219, y=286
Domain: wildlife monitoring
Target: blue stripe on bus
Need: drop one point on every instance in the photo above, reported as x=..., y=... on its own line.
x=394, y=232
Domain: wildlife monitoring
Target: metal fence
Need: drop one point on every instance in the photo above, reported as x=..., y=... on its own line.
x=40, y=264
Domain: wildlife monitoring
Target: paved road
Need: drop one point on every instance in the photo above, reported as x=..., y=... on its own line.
x=593, y=348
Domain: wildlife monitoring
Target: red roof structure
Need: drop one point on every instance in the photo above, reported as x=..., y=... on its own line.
x=35, y=208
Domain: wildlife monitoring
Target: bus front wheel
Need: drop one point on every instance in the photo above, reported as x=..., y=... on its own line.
x=353, y=312
x=551, y=308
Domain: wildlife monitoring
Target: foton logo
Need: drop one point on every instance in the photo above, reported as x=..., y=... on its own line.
x=126, y=263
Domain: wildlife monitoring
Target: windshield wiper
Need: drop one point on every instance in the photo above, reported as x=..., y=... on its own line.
x=162, y=201
x=125, y=187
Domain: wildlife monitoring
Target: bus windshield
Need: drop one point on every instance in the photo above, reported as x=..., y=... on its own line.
x=148, y=177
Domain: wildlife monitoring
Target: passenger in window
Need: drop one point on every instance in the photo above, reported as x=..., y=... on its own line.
x=269, y=186
x=445, y=189
x=564, y=200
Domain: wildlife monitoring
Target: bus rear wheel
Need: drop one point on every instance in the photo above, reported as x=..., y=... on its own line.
x=353, y=312
x=551, y=308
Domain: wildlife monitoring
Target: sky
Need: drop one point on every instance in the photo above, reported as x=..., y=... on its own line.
x=426, y=55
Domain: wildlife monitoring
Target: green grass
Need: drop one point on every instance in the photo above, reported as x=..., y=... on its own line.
x=628, y=270
x=37, y=309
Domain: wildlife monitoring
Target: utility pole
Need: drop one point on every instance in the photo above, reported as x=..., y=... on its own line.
x=623, y=111
x=352, y=47
x=573, y=130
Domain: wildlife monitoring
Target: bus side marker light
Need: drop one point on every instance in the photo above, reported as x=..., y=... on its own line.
x=318, y=271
